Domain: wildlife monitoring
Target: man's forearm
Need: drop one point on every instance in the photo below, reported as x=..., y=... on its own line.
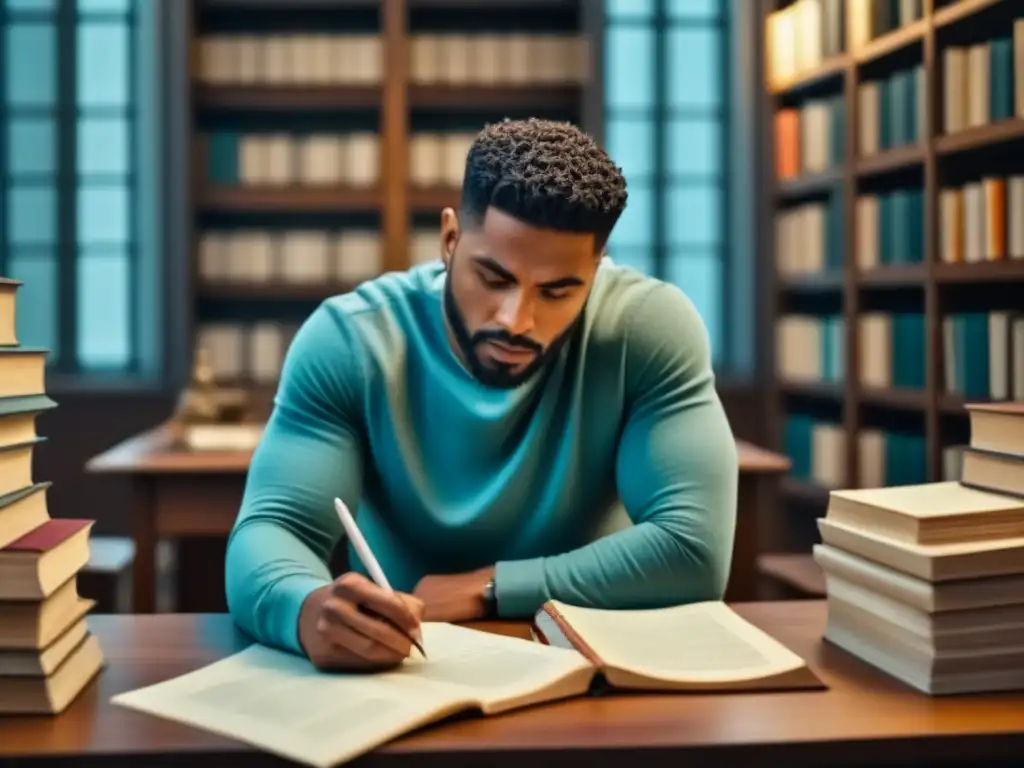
x=653, y=564
x=269, y=573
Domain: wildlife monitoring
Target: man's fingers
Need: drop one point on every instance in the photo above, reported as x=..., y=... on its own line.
x=376, y=631
x=346, y=642
x=358, y=589
x=413, y=604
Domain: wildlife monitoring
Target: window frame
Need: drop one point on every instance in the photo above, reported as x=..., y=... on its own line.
x=662, y=181
x=140, y=179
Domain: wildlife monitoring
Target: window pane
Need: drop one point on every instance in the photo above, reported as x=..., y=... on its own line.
x=694, y=68
x=640, y=259
x=693, y=215
x=699, y=275
x=102, y=323
x=693, y=9
x=630, y=142
x=629, y=68
x=629, y=9
x=31, y=64
x=694, y=147
x=31, y=143
x=102, y=64
x=31, y=5
x=636, y=225
x=37, y=298
x=103, y=6
x=32, y=214
x=102, y=215
x=102, y=146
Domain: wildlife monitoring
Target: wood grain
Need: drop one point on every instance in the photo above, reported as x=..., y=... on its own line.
x=864, y=717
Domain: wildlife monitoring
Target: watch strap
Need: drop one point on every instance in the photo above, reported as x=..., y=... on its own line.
x=490, y=600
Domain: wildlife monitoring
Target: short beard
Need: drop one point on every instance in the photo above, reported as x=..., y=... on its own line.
x=498, y=375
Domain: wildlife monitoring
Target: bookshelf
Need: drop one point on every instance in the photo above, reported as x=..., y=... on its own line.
x=892, y=192
x=327, y=135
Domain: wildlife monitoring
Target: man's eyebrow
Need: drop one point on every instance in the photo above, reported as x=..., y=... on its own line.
x=492, y=266
x=495, y=268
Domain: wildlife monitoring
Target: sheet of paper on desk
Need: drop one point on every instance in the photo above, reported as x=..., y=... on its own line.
x=280, y=703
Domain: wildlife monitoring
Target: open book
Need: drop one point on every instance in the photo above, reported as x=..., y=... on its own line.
x=701, y=647
x=280, y=703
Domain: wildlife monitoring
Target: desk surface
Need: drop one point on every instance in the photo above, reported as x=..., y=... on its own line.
x=864, y=716
x=152, y=453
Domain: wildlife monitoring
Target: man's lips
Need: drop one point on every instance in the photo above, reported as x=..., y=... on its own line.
x=507, y=354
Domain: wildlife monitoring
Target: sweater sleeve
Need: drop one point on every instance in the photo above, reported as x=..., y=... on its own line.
x=677, y=475
x=311, y=452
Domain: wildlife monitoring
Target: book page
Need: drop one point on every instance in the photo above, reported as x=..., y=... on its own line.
x=929, y=500
x=699, y=643
x=280, y=703
x=488, y=668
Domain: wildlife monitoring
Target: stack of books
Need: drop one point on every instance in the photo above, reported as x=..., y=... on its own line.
x=47, y=653
x=926, y=582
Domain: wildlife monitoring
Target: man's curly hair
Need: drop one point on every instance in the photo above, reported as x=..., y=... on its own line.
x=545, y=173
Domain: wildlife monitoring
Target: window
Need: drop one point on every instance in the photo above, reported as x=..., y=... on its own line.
x=666, y=109
x=70, y=161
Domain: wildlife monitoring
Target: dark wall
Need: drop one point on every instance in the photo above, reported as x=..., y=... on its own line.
x=83, y=425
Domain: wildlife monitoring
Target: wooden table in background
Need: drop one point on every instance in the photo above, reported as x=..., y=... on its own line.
x=864, y=718
x=182, y=494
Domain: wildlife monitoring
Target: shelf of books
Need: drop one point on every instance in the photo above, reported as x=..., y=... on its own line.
x=328, y=137
x=895, y=133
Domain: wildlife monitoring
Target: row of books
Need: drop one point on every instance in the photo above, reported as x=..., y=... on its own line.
x=982, y=352
x=47, y=652
x=925, y=581
x=983, y=83
x=892, y=111
x=982, y=220
x=252, y=352
x=302, y=257
x=438, y=159
x=280, y=59
x=280, y=159
x=890, y=228
x=358, y=59
x=352, y=160
x=801, y=36
x=818, y=449
x=307, y=257
x=870, y=19
x=810, y=348
x=809, y=237
x=499, y=60
x=810, y=138
x=983, y=355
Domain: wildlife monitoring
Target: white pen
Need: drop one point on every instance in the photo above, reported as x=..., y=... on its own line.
x=348, y=522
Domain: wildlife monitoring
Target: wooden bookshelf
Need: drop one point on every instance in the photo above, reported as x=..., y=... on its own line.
x=277, y=69
x=935, y=286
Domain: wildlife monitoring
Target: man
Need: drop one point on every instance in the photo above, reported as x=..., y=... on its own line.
x=480, y=416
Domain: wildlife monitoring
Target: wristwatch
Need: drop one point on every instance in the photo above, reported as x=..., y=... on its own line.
x=490, y=597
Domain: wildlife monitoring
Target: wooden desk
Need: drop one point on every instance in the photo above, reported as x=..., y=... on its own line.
x=862, y=719
x=188, y=494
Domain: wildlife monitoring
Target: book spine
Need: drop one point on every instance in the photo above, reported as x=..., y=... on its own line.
x=573, y=637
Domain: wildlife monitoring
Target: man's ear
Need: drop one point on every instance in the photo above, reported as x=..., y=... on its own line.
x=449, y=235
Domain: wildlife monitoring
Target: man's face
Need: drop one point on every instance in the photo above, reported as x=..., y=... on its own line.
x=513, y=293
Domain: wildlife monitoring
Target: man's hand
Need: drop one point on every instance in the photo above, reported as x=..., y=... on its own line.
x=453, y=598
x=352, y=624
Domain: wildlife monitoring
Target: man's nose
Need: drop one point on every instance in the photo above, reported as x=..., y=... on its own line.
x=516, y=314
